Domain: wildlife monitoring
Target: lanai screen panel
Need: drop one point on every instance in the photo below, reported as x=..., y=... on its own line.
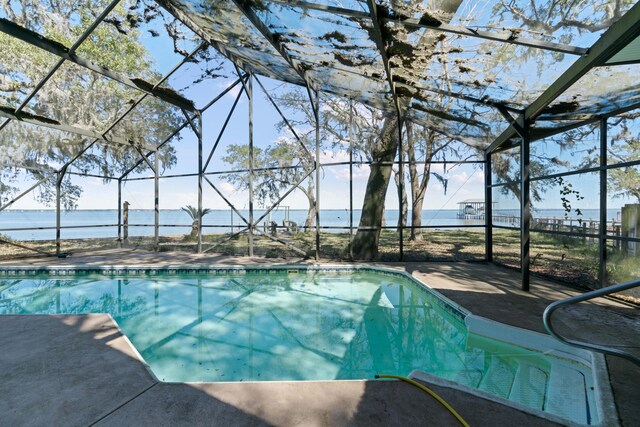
x=18, y=73
x=603, y=90
x=336, y=51
x=434, y=54
x=73, y=85
x=445, y=71
x=223, y=25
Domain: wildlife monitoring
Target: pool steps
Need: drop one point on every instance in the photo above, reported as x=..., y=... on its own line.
x=499, y=378
x=567, y=395
x=564, y=384
x=560, y=389
x=530, y=385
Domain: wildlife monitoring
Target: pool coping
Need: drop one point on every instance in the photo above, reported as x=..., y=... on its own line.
x=605, y=401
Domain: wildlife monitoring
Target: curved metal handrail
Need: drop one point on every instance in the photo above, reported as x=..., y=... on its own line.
x=546, y=318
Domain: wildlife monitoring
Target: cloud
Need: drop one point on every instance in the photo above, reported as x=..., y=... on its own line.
x=334, y=156
x=233, y=93
x=465, y=178
x=341, y=173
x=226, y=187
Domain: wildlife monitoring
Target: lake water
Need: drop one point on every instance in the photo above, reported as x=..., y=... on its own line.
x=103, y=223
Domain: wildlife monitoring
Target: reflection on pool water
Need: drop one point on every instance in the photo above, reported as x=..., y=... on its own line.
x=288, y=324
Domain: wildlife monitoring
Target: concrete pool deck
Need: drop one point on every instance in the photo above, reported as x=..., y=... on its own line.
x=80, y=370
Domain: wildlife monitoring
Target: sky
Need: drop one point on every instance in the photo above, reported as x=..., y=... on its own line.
x=465, y=181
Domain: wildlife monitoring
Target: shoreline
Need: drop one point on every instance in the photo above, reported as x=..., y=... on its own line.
x=569, y=260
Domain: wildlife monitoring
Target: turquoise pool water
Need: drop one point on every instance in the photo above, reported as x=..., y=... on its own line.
x=292, y=325
x=255, y=327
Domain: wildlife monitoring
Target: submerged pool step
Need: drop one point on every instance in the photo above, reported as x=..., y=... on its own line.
x=499, y=378
x=524, y=382
x=470, y=377
x=567, y=394
x=545, y=375
x=529, y=385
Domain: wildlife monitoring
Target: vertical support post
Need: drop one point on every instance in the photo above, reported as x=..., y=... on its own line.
x=602, y=242
x=156, y=204
x=200, y=177
x=401, y=186
x=317, y=114
x=59, y=177
x=58, y=181
x=119, y=212
x=350, y=180
x=251, y=162
x=525, y=204
x=488, y=209
x=125, y=222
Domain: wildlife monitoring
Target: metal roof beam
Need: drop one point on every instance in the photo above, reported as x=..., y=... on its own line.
x=63, y=52
x=472, y=99
x=87, y=32
x=621, y=33
x=54, y=124
x=494, y=36
x=542, y=132
x=513, y=121
x=188, y=22
x=443, y=27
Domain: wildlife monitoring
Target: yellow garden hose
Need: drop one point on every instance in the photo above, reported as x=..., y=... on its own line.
x=431, y=392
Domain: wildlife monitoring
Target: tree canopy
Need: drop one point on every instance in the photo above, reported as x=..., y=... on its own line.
x=81, y=98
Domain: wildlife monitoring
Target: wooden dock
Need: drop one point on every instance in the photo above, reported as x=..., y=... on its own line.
x=561, y=224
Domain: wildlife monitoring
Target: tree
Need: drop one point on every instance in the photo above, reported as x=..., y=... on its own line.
x=625, y=182
x=410, y=65
x=195, y=216
x=576, y=148
x=79, y=97
x=383, y=150
x=624, y=146
x=430, y=146
x=552, y=18
x=280, y=166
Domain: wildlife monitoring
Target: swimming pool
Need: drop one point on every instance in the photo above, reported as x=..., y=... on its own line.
x=309, y=323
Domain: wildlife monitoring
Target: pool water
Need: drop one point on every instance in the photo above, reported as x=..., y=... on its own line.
x=256, y=327
x=292, y=325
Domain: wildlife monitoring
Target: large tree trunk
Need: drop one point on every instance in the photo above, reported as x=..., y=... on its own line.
x=416, y=211
x=311, y=213
x=365, y=242
x=402, y=195
x=311, y=216
x=418, y=187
